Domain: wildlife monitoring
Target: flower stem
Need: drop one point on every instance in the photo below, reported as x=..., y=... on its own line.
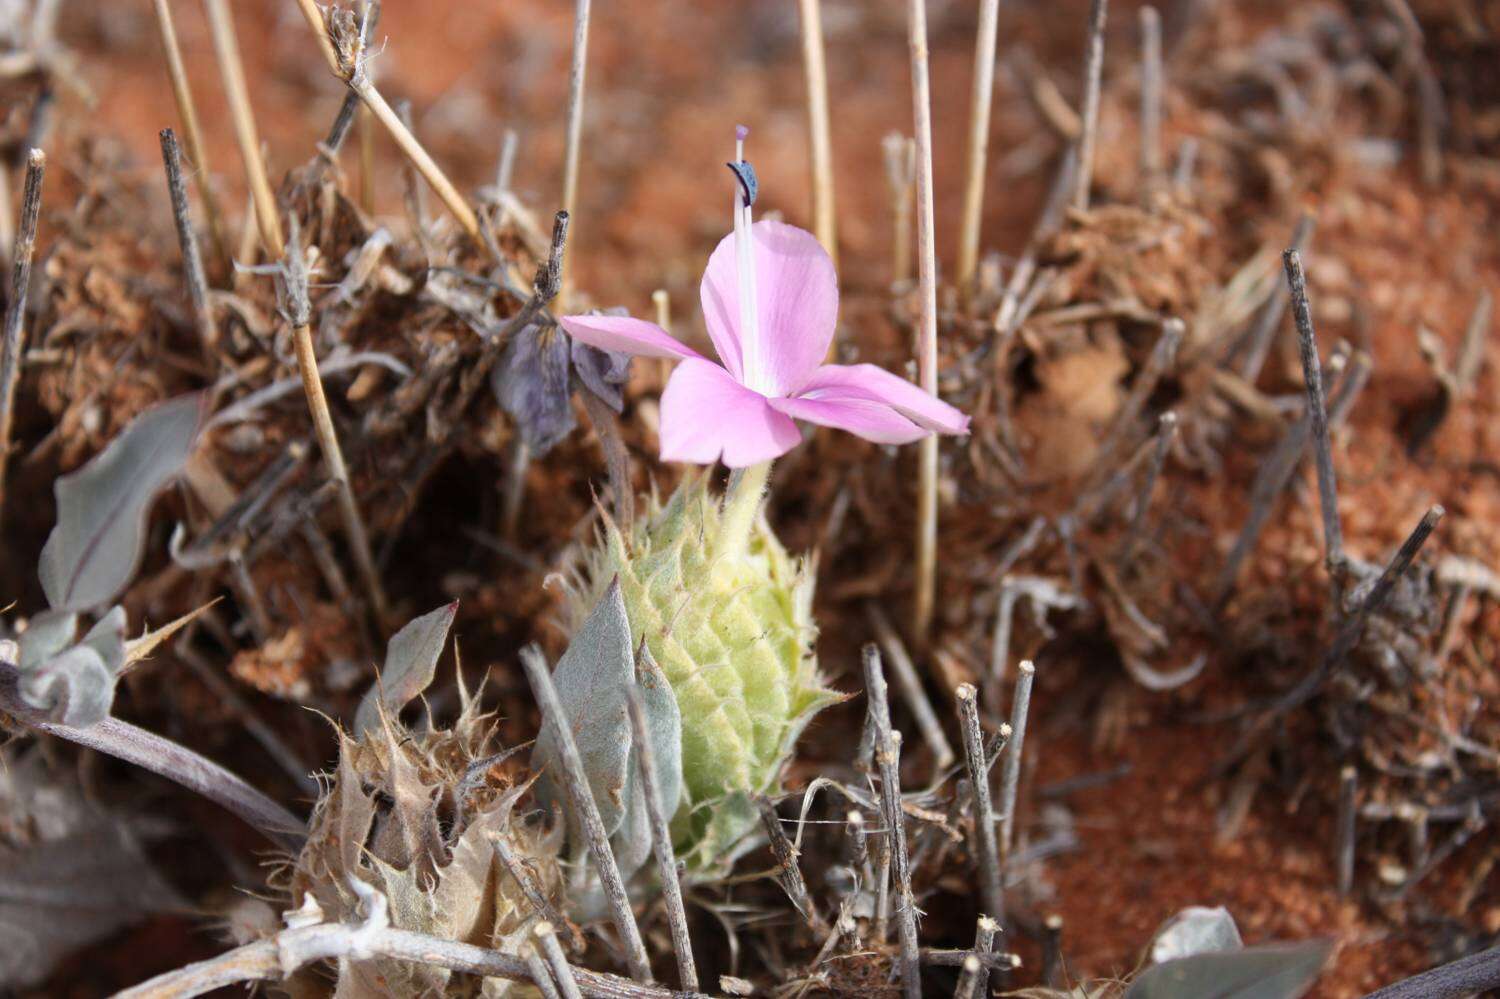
x=747, y=487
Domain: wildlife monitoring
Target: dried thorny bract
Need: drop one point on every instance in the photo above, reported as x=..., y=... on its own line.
x=421, y=817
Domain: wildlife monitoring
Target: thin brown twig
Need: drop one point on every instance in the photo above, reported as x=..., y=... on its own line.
x=910, y=684
x=562, y=972
x=1354, y=625
x=1277, y=469
x=187, y=239
x=586, y=811
x=1262, y=335
x=1348, y=816
x=540, y=976
x=661, y=844
x=974, y=981
x=1011, y=776
x=900, y=174
x=182, y=93
x=14, y=331
x=992, y=891
x=788, y=871
x=616, y=457
x=369, y=12
x=1160, y=361
x=278, y=957
x=1166, y=432
x=1312, y=376
x=347, y=61
x=888, y=759
x=1093, y=72
x=532, y=890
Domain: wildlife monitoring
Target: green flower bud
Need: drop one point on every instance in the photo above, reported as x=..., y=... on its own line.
x=729, y=621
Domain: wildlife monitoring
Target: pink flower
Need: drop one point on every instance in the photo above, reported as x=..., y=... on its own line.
x=771, y=347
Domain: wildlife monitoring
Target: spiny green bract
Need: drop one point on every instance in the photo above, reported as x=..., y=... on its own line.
x=731, y=627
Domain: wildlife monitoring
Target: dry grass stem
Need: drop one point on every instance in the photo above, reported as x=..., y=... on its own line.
x=820, y=143
x=186, y=110
x=1152, y=164
x=299, y=311
x=576, y=77
x=981, y=99
x=237, y=93
x=901, y=177
x=927, y=321
x=1347, y=819
x=348, y=65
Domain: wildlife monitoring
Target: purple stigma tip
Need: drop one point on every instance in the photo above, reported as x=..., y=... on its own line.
x=741, y=132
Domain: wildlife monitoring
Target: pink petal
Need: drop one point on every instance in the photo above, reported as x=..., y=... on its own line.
x=706, y=414
x=798, y=298
x=867, y=383
x=874, y=421
x=626, y=336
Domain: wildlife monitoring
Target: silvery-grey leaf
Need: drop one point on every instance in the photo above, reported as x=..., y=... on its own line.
x=1273, y=971
x=45, y=636
x=75, y=886
x=1195, y=930
x=603, y=372
x=410, y=660
x=107, y=637
x=531, y=385
x=101, y=508
x=74, y=687
x=591, y=679
x=664, y=726
x=631, y=841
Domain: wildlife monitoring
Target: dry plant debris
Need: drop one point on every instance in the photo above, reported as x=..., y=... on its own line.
x=1194, y=530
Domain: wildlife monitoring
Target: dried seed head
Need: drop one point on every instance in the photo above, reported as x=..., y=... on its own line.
x=415, y=816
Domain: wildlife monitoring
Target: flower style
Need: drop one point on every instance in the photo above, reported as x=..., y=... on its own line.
x=771, y=343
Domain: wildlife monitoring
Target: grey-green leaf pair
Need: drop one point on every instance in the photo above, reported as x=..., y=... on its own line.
x=91, y=555
x=593, y=680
